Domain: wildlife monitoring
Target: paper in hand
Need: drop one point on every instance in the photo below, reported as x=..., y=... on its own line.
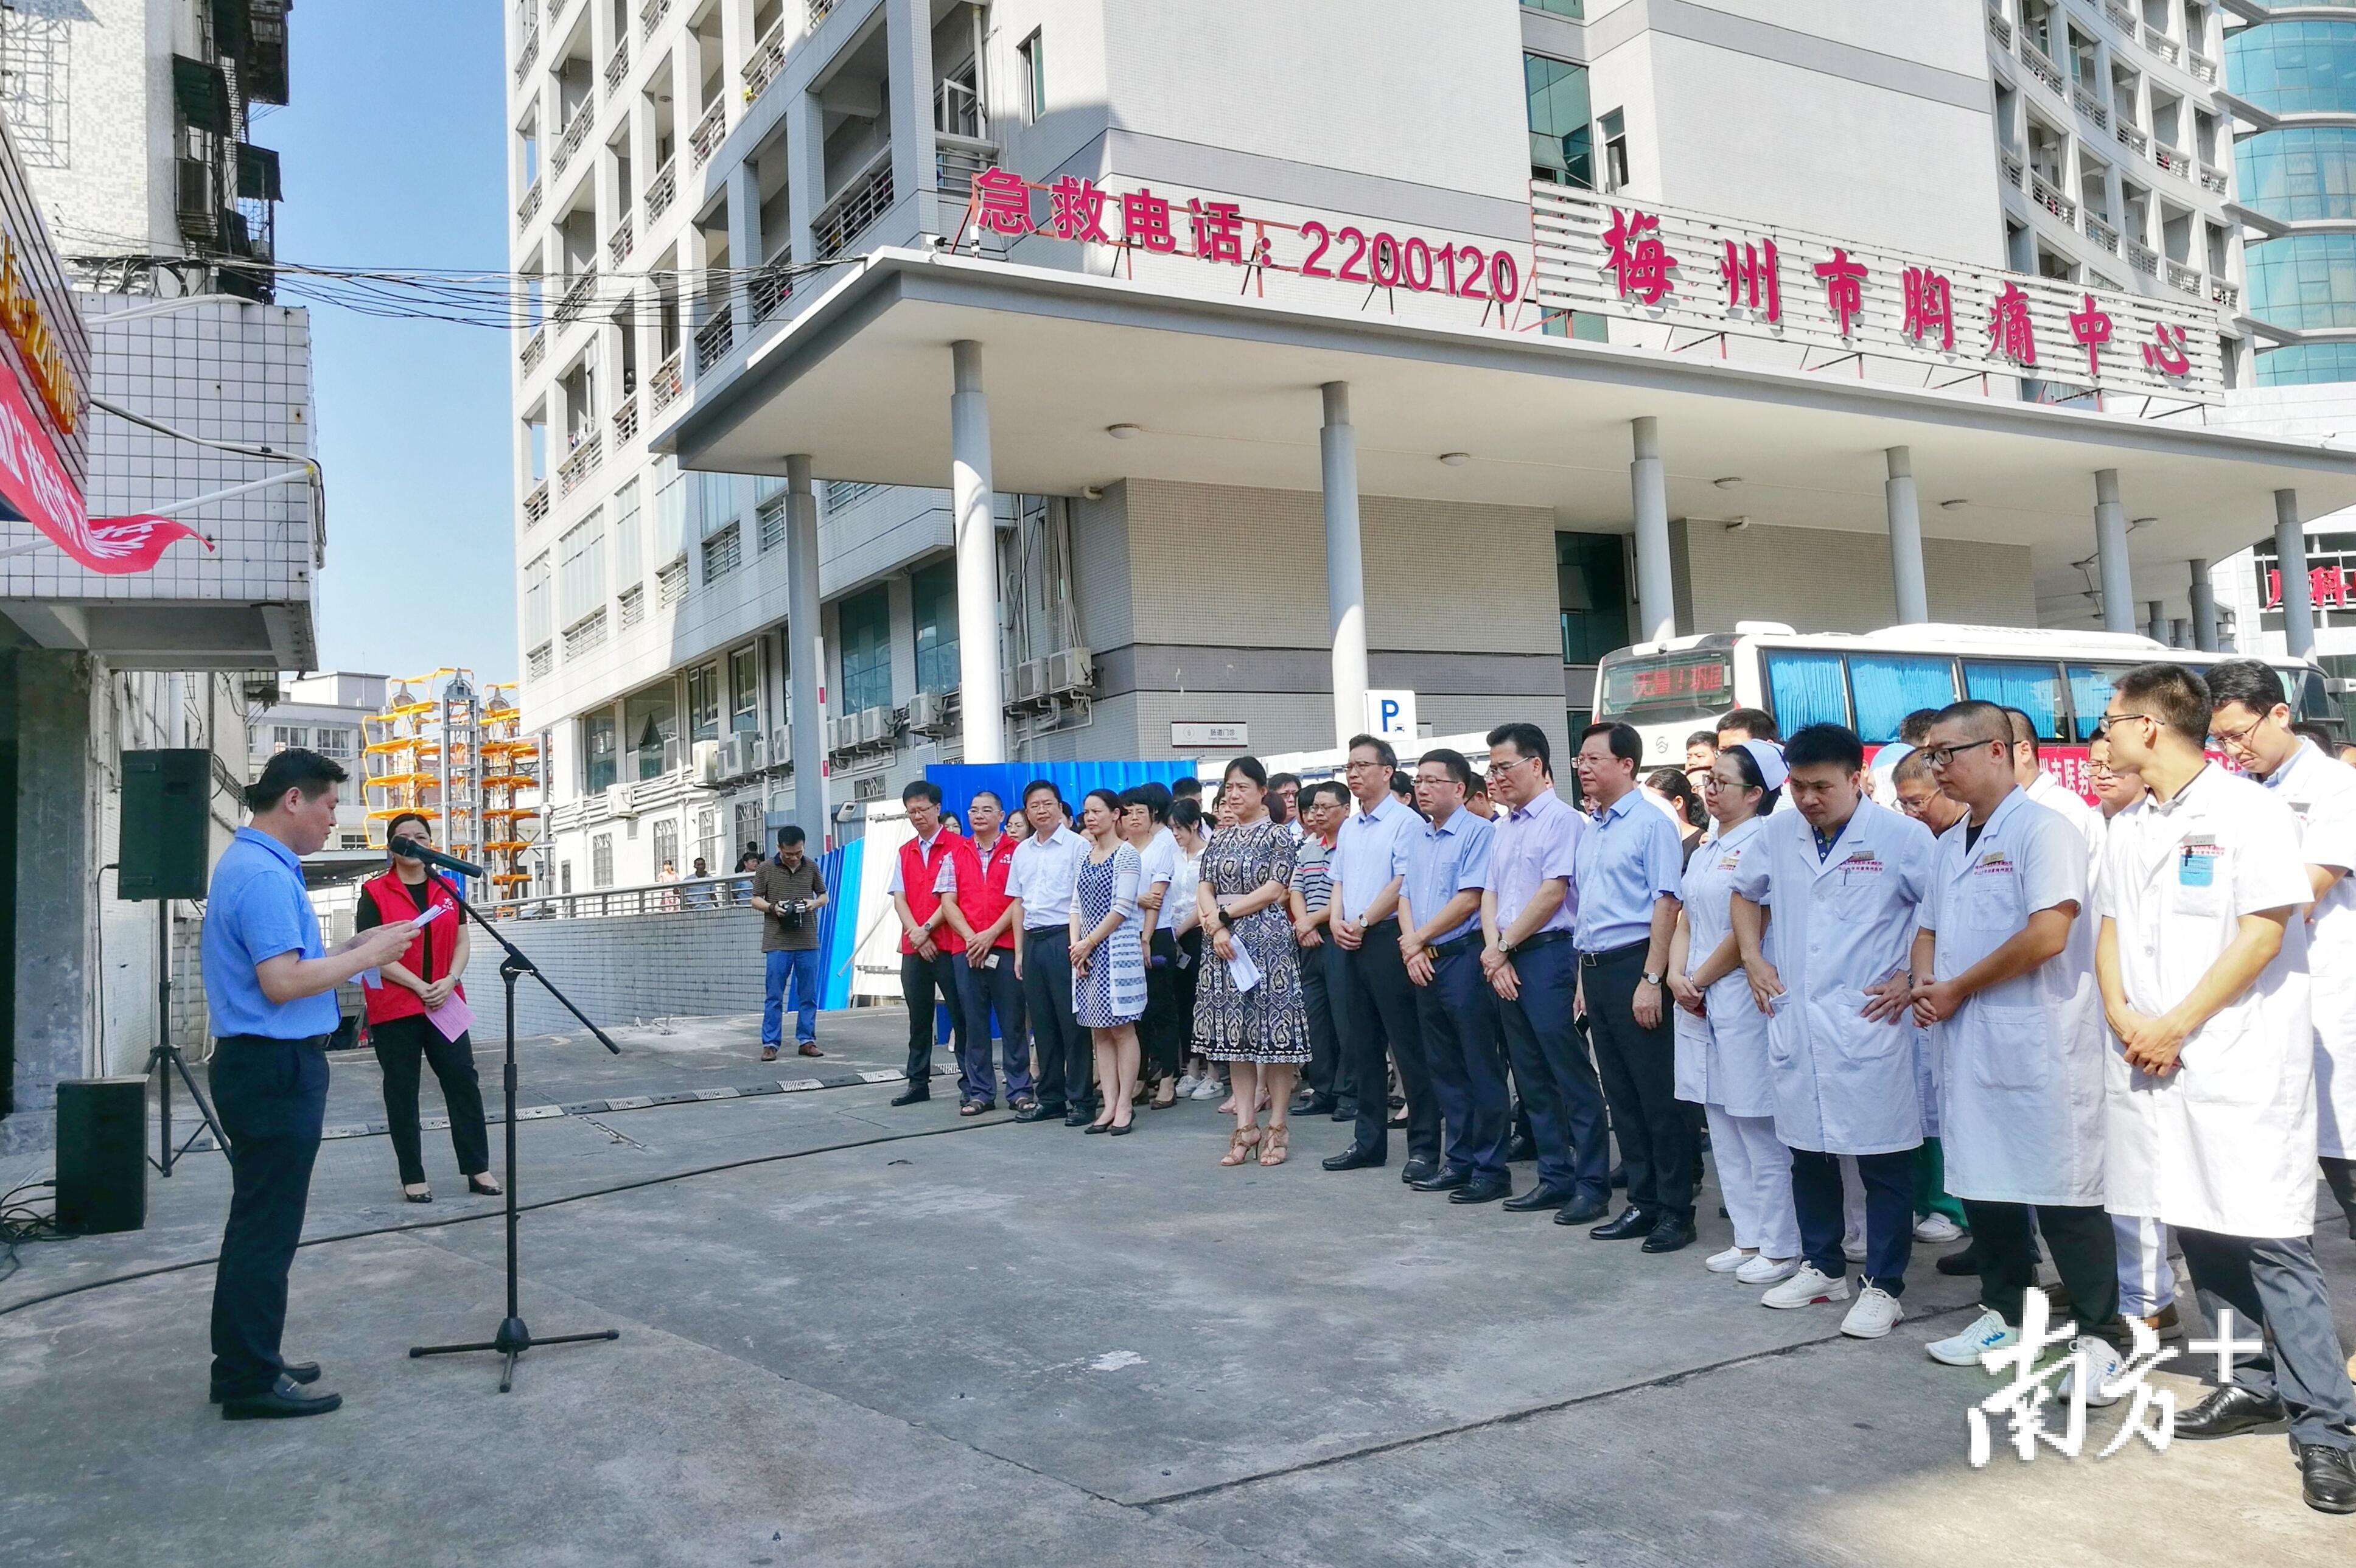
x=453, y=1017
x=1242, y=970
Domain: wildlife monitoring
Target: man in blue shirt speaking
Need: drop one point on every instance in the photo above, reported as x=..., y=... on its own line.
x=270, y=987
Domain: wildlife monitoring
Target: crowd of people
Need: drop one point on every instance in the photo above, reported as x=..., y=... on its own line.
x=1939, y=998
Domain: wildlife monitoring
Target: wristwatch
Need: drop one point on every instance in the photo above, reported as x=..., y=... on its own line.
x=1650, y=978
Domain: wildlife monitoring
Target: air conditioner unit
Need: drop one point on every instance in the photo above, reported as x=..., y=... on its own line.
x=1071, y=670
x=781, y=745
x=928, y=713
x=675, y=754
x=842, y=734
x=748, y=753
x=877, y=726
x=1030, y=682
x=618, y=802
x=704, y=762
x=731, y=763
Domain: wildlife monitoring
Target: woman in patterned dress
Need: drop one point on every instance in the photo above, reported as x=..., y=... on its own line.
x=1108, y=960
x=1262, y=1033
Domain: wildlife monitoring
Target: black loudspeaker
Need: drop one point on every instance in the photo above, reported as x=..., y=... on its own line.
x=102, y=1169
x=165, y=799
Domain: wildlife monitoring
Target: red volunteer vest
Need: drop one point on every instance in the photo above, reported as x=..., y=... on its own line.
x=984, y=904
x=920, y=872
x=429, y=951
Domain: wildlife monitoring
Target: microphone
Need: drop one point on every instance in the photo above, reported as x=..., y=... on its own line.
x=411, y=849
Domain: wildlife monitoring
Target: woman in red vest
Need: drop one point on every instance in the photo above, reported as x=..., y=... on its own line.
x=425, y=979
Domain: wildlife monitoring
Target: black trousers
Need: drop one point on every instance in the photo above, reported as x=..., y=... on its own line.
x=920, y=979
x=2004, y=1238
x=1188, y=961
x=1379, y=990
x=1638, y=1067
x=401, y=1044
x=272, y=1098
x=1320, y=1076
x=1162, y=1032
x=1066, y=1057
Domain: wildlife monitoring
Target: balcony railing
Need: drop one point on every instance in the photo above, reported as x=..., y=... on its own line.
x=2015, y=171
x=2132, y=137
x=769, y=58
x=650, y=16
x=527, y=53
x=2213, y=180
x=661, y=190
x=2175, y=162
x=2101, y=233
x=2043, y=70
x=956, y=159
x=618, y=244
x=2048, y=196
x=2224, y=293
x=532, y=347
x=530, y=204
x=2091, y=105
x=625, y=422
x=2163, y=46
x=667, y=385
x=655, y=898
x=577, y=294
x=2186, y=279
x=535, y=504
x=580, y=463
x=2143, y=257
x=708, y=131
x=770, y=287
x=818, y=10
x=713, y=339
x=576, y=132
x=867, y=197
x=2202, y=67
x=618, y=67
x=1998, y=29
x=2121, y=18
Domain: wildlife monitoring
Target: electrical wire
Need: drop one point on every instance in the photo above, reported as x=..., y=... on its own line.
x=21, y=1222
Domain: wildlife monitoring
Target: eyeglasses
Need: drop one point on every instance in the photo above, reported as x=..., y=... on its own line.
x=2238, y=737
x=1372, y=764
x=2103, y=728
x=1499, y=770
x=1939, y=756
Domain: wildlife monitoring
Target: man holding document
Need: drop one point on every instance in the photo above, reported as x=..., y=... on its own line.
x=417, y=1011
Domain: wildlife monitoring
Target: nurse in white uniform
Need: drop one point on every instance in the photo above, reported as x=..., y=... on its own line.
x=1826, y=920
x=2004, y=967
x=2210, y=1100
x=2251, y=723
x=1721, y=1036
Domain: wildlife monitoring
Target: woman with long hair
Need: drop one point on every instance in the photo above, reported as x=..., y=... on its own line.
x=1107, y=957
x=423, y=982
x=1258, y=1025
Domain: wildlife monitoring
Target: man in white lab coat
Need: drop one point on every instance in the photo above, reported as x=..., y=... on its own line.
x=2209, y=1102
x=2029, y=772
x=2250, y=720
x=1825, y=920
x=2004, y=976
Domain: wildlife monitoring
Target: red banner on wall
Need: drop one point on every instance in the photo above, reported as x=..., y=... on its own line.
x=35, y=488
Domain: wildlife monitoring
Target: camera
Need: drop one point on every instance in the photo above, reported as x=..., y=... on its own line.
x=791, y=913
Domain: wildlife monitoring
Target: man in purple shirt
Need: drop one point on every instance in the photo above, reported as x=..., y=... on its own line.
x=1527, y=913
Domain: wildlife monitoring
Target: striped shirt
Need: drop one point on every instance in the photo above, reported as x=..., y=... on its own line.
x=1311, y=878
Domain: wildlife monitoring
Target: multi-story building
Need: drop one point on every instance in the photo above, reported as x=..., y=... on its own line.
x=323, y=713
x=131, y=119
x=690, y=177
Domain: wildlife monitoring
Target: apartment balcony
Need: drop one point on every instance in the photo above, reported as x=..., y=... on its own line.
x=527, y=53
x=2132, y=138
x=535, y=505
x=2143, y=257
x=2175, y=162
x=867, y=197
x=667, y=385
x=651, y=16
x=662, y=189
x=2224, y=293
x=769, y=58
x=577, y=295
x=713, y=339
x=2016, y=172
x=2090, y=104
x=2163, y=46
x=2186, y=280
x=818, y=10
x=2042, y=68
x=534, y=346
x=770, y=287
x=1999, y=29
x=2101, y=233
x=2048, y=196
x=2213, y=180
x=617, y=67
x=2202, y=67
x=576, y=130
x=625, y=423
x=706, y=139
x=580, y=463
x=2123, y=19
x=956, y=160
x=530, y=205
x=618, y=244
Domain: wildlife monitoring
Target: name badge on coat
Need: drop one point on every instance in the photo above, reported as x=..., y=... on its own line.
x=2197, y=890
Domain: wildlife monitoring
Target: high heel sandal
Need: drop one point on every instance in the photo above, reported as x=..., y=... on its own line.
x=475, y=1185
x=1275, y=1150
x=1240, y=1144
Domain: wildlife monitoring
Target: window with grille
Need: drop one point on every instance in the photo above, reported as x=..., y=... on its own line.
x=34, y=74
x=633, y=603
x=671, y=583
x=601, y=861
x=585, y=633
x=724, y=552
x=540, y=661
x=772, y=515
x=288, y=737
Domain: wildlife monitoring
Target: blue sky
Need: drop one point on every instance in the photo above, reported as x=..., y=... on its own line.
x=391, y=156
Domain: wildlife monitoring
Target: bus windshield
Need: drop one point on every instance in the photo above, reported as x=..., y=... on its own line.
x=1693, y=683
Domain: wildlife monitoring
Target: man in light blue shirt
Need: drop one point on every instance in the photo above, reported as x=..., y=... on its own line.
x=1628, y=868
x=1440, y=941
x=1046, y=869
x=1368, y=866
x=270, y=989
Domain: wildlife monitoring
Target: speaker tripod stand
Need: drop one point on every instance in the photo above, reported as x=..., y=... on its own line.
x=163, y=1058
x=513, y=1338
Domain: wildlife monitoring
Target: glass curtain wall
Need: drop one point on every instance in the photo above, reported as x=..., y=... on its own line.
x=2295, y=174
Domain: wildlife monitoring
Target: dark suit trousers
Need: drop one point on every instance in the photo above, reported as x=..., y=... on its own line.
x=1379, y=990
x=1559, y=1092
x=1316, y=993
x=271, y=1097
x=1066, y=1059
x=1638, y=1067
x=919, y=980
x=1458, y=1014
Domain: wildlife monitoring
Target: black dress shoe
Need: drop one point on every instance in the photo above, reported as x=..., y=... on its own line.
x=1633, y=1222
x=1345, y=1110
x=1078, y=1118
x=1418, y=1168
x=1309, y=1102
x=1964, y=1261
x=914, y=1093
x=1040, y=1114
x=1545, y=1195
x=2327, y=1478
x=1582, y=1211
x=1619, y=1177
x=293, y=1371
x=281, y=1400
x=2230, y=1410
x=1520, y=1149
x=1488, y=1191
x=1357, y=1156
x=1669, y=1234
x=1443, y=1181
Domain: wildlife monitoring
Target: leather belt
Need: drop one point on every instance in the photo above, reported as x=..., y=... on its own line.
x=1614, y=955
x=1470, y=942
x=1539, y=939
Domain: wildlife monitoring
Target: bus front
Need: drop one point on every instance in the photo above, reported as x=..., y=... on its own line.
x=1668, y=695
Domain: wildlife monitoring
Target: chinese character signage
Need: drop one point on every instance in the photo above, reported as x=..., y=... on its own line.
x=1638, y=260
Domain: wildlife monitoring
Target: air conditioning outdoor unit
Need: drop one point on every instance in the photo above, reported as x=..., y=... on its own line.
x=731, y=758
x=781, y=746
x=876, y=726
x=928, y=713
x=748, y=753
x=842, y=734
x=704, y=762
x=1030, y=682
x=1071, y=670
x=618, y=802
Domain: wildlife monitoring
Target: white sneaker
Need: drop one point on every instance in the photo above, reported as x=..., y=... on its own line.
x=1937, y=1228
x=1853, y=1249
x=1875, y=1313
x=1726, y=1262
x=1210, y=1089
x=1988, y=1331
x=1765, y=1270
x=1187, y=1085
x=1805, y=1287
x=2105, y=1366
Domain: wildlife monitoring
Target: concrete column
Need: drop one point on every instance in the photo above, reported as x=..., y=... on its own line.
x=1657, y=604
x=2204, y=606
x=805, y=170
x=909, y=27
x=1345, y=574
x=1905, y=538
x=2291, y=557
x=976, y=526
x=2155, y=625
x=2179, y=632
x=52, y=884
x=806, y=658
x=2111, y=542
x=744, y=243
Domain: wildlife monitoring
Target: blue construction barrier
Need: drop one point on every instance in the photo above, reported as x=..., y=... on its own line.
x=838, y=922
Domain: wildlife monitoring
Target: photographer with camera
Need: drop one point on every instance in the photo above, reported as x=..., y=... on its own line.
x=788, y=892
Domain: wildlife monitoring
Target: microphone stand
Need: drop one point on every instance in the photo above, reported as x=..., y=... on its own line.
x=513, y=1338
